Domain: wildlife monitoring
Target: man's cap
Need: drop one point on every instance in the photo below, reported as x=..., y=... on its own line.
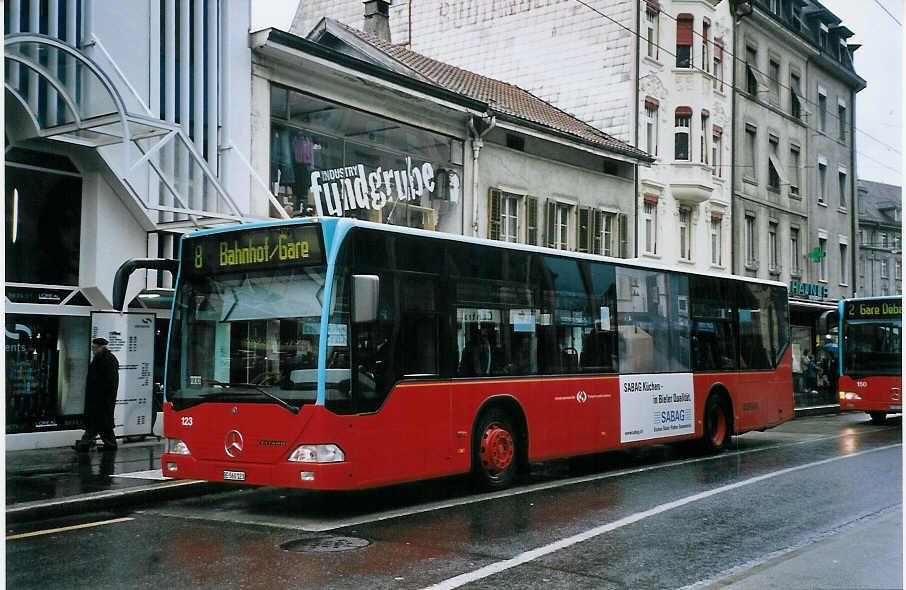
x=100, y=341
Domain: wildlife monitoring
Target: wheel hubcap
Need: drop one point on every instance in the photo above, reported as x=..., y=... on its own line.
x=496, y=449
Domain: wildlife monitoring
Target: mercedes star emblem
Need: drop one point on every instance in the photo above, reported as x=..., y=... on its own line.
x=232, y=444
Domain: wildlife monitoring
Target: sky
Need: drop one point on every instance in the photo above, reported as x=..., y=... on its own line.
x=879, y=111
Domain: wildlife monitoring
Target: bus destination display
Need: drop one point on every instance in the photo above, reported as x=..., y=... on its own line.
x=254, y=250
x=868, y=309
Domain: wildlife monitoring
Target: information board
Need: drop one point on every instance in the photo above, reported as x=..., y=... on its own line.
x=131, y=338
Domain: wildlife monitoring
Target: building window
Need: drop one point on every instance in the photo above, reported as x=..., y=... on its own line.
x=681, y=133
x=822, y=265
x=717, y=134
x=794, y=250
x=841, y=182
x=773, y=164
x=703, y=139
x=751, y=67
x=841, y=116
x=822, y=35
x=706, y=44
x=718, y=80
x=773, y=265
x=774, y=74
x=751, y=246
x=43, y=219
x=716, y=225
x=651, y=21
x=794, y=170
x=795, y=96
x=684, y=40
x=685, y=238
x=844, y=264
x=749, y=153
x=608, y=233
x=651, y=107
x=649, y=218
x=558, y=225
x=884, y=269
x=884, y=242
x=503, y=216
x=822, y=112
x=822, y=183
x=899, y=270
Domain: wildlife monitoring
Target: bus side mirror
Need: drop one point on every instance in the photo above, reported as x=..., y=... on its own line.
x=365, y=290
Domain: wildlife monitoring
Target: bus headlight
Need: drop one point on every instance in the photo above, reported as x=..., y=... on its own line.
x=317, y=454
x=177, y=447
x=849, y=395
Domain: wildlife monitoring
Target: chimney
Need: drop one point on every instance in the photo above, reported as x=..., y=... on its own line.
x=377, y=18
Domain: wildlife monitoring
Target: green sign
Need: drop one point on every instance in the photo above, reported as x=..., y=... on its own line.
x=808, y=289
x=856, y=310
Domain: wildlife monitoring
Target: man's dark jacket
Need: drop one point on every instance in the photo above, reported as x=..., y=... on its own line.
x=100, y=390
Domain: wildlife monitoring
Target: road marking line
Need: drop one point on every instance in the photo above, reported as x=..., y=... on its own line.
x=527, y=556
x=68, y=528
x=444, y=504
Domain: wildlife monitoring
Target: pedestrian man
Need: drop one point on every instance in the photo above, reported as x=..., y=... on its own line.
x=100, y=397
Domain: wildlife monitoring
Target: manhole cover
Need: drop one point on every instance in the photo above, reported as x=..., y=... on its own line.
x=324, y=543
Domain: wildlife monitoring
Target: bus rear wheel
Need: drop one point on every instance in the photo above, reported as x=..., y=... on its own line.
x=716, y=435
x=494, y=452
x=878, y=417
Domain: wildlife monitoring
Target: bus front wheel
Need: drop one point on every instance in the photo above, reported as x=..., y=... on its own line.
x=716, y=435
x=878, y=417
x=494, y=454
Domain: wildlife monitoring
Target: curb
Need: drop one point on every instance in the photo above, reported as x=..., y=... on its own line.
x=128, y=497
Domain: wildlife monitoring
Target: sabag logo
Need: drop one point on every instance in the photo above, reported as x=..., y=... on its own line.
x=670, y=416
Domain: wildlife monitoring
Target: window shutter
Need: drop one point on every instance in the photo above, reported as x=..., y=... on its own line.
x=596, y=230
x=684, y=29
x=549, y=218
x=531, y=221
x=624, y=236
x=494, y=214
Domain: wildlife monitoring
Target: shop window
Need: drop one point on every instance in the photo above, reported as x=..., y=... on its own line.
x=46, y=366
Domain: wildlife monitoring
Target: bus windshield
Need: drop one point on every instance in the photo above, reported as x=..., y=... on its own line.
x=253, y=337
x=872, y=347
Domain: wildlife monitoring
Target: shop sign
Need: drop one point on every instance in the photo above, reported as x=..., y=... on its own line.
x=341, y=190
x=808, y=289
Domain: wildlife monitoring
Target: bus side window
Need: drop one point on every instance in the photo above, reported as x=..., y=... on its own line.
x=713, y=334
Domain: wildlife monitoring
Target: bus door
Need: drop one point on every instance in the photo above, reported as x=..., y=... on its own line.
x=403, y=409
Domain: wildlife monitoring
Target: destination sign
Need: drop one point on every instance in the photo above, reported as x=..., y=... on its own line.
x=255, y=249
x=873, y=309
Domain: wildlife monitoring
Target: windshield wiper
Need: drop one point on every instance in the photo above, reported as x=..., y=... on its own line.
x=257, y=388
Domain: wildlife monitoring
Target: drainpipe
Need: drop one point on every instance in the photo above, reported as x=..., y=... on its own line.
x=738, y=10
x=477, y=144
x=854, y=195
x=638, y=79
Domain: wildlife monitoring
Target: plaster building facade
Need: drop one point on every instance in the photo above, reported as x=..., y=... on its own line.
x=794, y=161
x=613, y=64
x=879, y=264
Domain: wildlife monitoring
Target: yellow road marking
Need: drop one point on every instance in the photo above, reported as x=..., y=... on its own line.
x=68, y=528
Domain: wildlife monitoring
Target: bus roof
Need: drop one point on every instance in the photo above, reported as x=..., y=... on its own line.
x=344, y=224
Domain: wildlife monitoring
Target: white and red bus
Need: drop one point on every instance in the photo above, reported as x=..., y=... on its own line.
x=871, y=356
x=339, y=354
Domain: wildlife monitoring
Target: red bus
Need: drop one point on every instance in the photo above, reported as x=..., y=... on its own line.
x=339, y=354
x=871, y=356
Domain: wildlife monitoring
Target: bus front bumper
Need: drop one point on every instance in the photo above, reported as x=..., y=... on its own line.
x=315, y=476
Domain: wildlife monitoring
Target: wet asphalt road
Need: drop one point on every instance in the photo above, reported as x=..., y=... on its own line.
x=657, y=517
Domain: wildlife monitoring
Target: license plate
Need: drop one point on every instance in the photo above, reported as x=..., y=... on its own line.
x=234, y=475
x=897, y=408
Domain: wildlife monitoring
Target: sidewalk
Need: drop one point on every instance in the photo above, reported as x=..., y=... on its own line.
x=50, y=482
